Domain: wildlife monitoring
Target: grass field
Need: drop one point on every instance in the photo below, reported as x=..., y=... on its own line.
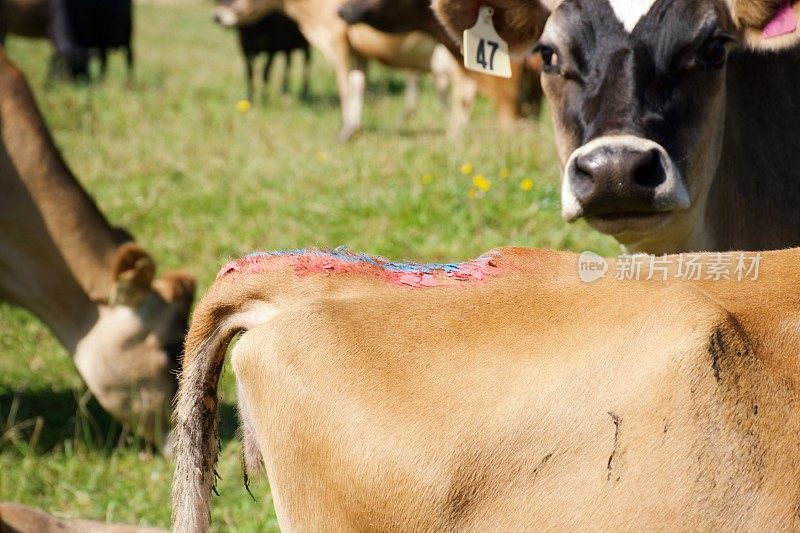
x=198, y=182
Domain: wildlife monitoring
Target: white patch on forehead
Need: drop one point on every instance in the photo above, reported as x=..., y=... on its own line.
x=629, y=12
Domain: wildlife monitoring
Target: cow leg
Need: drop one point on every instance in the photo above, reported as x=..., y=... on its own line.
x=333, y=42
x=266, y=75
x=413, y=80
x=102, y=54
x=71, y=60
x=129, y=59
x=306, y=73
x=268, y=405
x=357, y=87
x=456, y=89
x=442, y=64
x=352, y=85
x=287, y=66
x=248, y=76
x=463, y=94
x=354, y=104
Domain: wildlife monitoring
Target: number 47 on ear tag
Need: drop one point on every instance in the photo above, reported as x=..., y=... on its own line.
x=484, y=50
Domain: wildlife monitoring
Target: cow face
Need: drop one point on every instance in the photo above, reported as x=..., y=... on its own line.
x=130, y=357
x=230, y=13
x=637, y=94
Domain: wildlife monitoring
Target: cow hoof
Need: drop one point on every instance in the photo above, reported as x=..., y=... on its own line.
x=348, y=133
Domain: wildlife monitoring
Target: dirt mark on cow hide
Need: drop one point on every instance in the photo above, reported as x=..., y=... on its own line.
x=617, y=423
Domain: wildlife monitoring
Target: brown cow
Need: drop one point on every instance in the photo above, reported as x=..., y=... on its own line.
x=345, y=47
x=87, y=281
x=674, y=118
x=519, y=96
x=503, y=394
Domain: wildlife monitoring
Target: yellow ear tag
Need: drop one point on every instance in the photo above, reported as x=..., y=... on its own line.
x=484, y=50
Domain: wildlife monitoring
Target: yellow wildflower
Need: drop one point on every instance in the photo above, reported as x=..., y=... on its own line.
x=243, y=106
x=427, y=179
x=481, y=183
x=526, y=184
x=467, y=168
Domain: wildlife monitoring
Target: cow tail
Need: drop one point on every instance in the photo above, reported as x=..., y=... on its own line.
x=216, y=321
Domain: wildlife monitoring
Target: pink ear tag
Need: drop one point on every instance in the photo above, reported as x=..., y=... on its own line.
x=784, y=21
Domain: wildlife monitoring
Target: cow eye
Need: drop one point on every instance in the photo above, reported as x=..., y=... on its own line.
x=550, y=59
x=715, y=52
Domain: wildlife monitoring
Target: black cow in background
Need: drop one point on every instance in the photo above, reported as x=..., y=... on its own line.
x=26, y=18
x=77, y=28
x=82, y=28
x=274, y=34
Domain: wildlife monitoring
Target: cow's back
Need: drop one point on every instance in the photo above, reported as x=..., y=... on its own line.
x=528, y=399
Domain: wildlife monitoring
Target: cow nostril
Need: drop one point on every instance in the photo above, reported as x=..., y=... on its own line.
x=588, y=166
x=626, y=168
x=649, y=172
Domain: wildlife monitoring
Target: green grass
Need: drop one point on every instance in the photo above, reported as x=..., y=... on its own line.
x=170, y=158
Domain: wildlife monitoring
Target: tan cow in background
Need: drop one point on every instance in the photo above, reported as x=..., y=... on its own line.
x=513, y=98
x=87, y=281
x=346, y=48
x=503, y=394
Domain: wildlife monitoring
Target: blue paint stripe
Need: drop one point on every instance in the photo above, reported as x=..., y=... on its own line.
x=342, y=254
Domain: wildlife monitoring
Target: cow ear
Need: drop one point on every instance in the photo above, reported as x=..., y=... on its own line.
x=767, y=24
x=176, y=286
x=133, y=273
x=518, y=22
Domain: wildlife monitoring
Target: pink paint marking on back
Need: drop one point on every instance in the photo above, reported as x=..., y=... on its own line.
x=338, y=262
x=784, y=21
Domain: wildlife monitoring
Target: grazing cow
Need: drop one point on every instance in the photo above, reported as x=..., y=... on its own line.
x=274, y=34
x=87, y=281
x=502, y=394
x=340, y=44
x=519, y=96
x=673, y=118
x=15, y=518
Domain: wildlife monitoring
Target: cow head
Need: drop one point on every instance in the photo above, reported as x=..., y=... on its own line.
x=129, y=358
x=231, y=13
x=637, y=94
